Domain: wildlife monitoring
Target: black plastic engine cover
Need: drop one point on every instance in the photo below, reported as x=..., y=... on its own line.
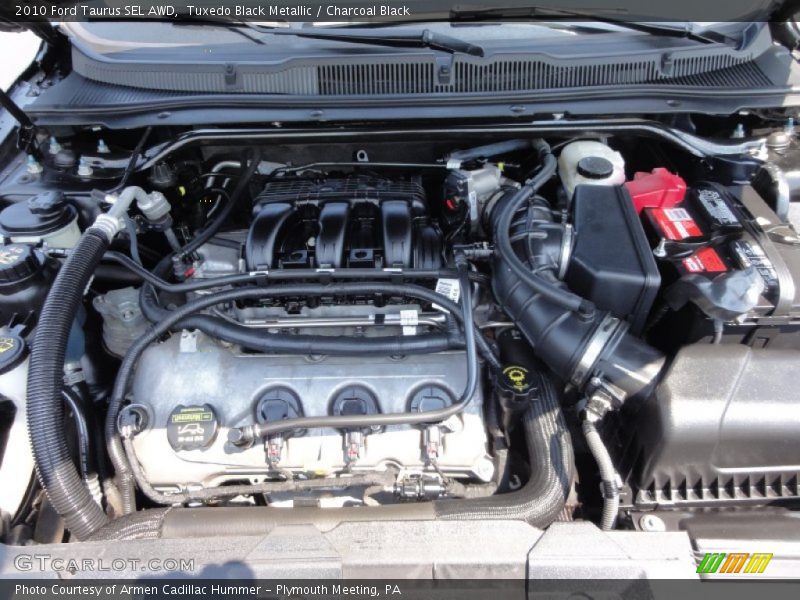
x=356, y=222
x=612, y=263
x=353, y=189
x=721, y=428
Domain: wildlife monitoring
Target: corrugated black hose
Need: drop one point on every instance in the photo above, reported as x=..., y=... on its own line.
x=555, y=294
x=552, y=468
x=54, y=465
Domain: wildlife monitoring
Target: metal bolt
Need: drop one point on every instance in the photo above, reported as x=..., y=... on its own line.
x=102, y=147
x=55, y=147
x=34, y=167
x=738, y=133
x=84, y=168
x=652, y=523
x=484, y=469
x=235, y=436
x=789, y=126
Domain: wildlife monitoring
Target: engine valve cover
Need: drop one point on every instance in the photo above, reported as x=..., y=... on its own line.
x=245, y=388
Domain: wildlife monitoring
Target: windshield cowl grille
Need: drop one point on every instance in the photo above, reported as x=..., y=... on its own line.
x=416, y=76
x=474, y=77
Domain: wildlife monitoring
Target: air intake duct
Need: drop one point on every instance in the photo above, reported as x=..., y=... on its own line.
x=580, y=342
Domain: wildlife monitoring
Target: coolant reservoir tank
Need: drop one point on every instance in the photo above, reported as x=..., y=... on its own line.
x=587, y=162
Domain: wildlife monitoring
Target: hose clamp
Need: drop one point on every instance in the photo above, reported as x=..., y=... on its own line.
x=610, y=490
x=109, y=225
x=566, y=250
x=604, y=332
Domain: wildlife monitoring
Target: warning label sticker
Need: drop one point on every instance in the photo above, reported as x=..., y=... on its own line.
x=449, y=288
x=706, y=260
x=676, y=223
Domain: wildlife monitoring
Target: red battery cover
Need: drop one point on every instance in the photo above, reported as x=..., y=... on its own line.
x=657, y=189
x=675, y=223
x=706, y=260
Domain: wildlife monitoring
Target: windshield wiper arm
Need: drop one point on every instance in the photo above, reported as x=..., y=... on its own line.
x=422, y=39
x=550, y=12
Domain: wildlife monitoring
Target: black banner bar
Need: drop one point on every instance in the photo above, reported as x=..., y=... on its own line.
x=204, y=589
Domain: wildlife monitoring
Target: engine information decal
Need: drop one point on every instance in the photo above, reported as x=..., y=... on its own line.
x=449, y=288
x=676, y=223
x=706, y=260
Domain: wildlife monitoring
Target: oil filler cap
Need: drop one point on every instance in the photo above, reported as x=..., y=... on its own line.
x=192, y=427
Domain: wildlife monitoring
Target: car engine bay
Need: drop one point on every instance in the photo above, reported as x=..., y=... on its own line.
x=597, y=322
